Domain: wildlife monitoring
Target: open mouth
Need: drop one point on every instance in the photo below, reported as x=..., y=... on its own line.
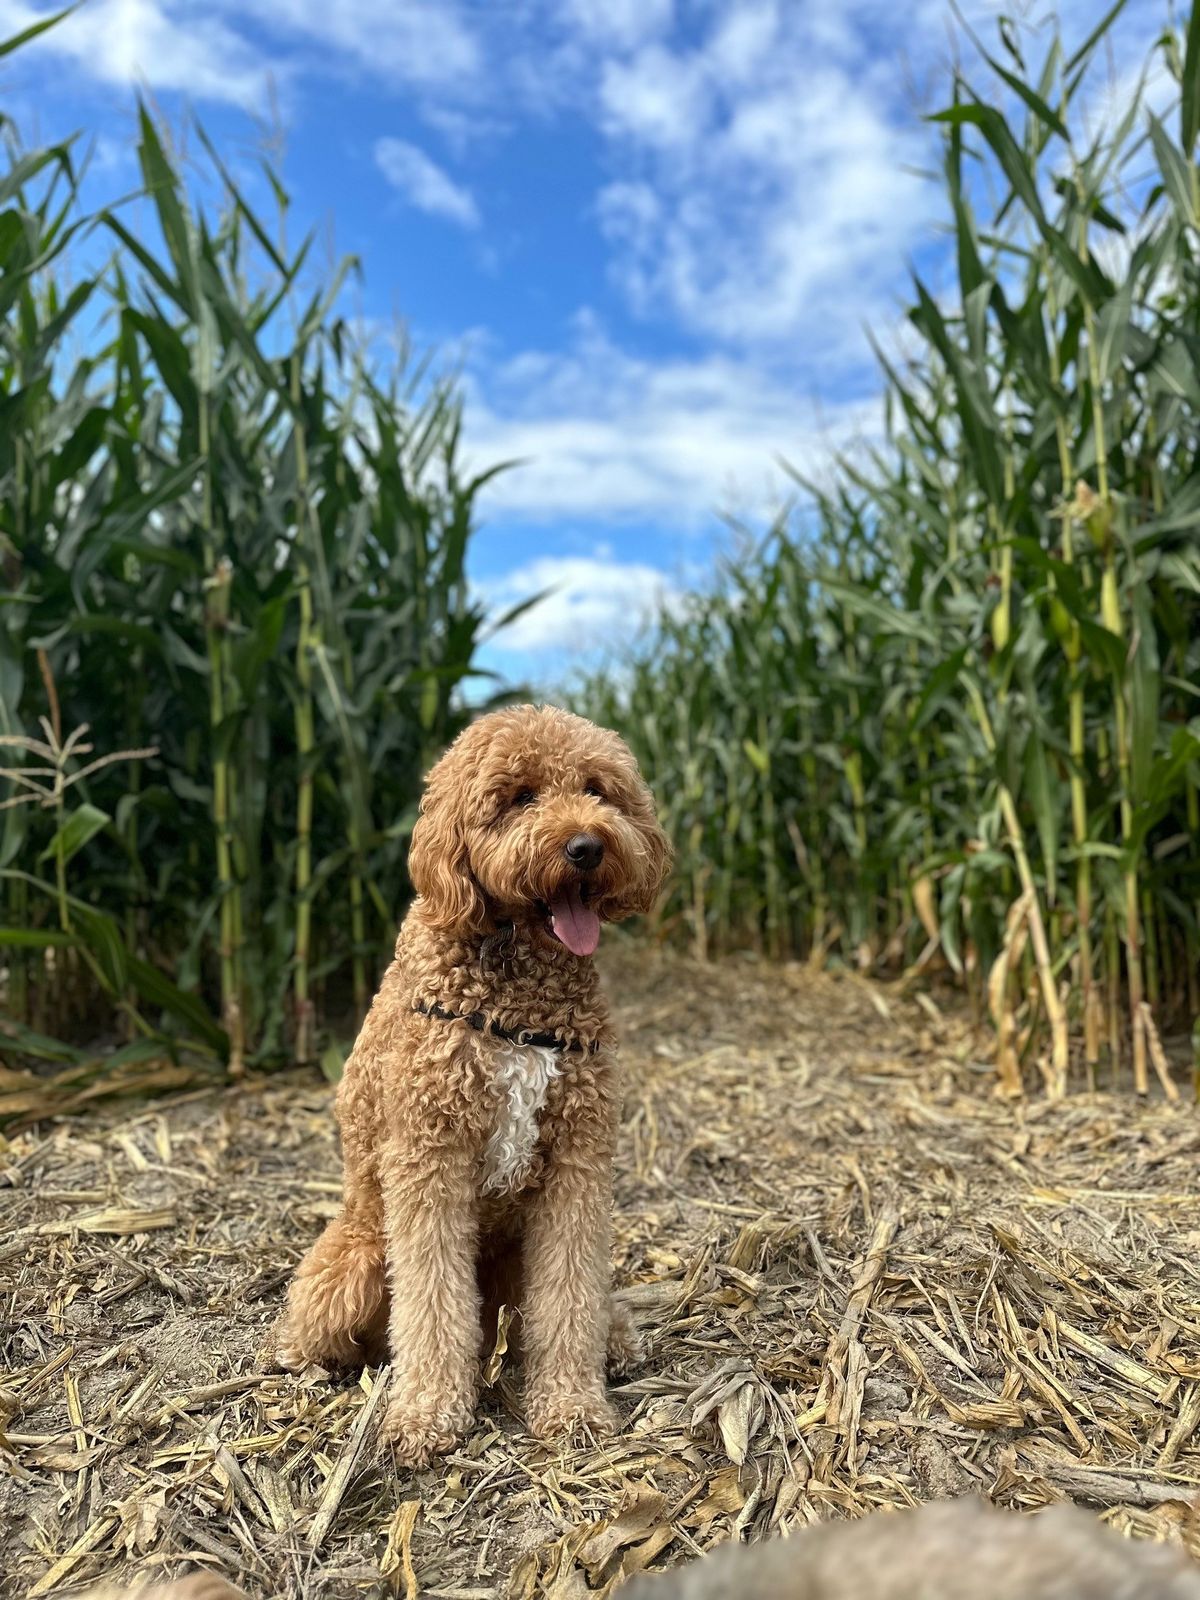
x=572, y=920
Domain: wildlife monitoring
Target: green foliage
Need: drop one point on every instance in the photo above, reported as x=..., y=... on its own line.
x=958, y=702
x=236, y=553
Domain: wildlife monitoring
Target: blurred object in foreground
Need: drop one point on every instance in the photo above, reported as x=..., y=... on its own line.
x=956, y=1550
x=196, y=1586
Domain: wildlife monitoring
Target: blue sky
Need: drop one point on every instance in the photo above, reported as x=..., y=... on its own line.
x=651, y=231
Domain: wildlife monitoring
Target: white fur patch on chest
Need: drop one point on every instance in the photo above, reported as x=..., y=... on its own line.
x=521, y=1076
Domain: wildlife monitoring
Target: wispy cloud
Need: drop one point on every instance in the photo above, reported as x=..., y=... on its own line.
x=143, y=41
x=604, y=433
x=595, y=605
x=208, y=53
x=759, y=194
x=430, y=44
x=659, y=99
x=424, y=184
x=616, y=23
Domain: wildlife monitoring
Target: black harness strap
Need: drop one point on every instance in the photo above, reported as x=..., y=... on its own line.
x=479, y=1021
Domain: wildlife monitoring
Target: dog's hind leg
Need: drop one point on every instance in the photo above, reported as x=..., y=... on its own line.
x=336, y=1311
x=337, y=1306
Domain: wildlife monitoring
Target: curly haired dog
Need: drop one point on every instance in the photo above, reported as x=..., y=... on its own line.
x=478, y=1110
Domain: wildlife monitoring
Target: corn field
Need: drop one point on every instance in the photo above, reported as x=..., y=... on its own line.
x=945, y=716
x=952, y=716
x=235, y=622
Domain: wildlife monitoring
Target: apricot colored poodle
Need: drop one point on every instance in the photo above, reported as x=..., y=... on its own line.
x=479, y=1107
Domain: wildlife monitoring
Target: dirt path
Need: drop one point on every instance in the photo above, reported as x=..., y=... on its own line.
x=864, y=1282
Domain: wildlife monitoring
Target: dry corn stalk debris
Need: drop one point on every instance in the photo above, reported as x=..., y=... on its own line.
x=866, y=1280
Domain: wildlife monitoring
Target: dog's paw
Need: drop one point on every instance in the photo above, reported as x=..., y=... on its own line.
x=296, y=1347
x=626, y=1347
x=414, y=1434
x=283, y=1350
x=575, y=1420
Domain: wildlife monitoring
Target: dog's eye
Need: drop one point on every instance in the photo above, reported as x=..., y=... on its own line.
x=594, y=789
x=525, y=798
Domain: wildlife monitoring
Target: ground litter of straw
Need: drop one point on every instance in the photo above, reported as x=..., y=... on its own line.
x=864, y=1281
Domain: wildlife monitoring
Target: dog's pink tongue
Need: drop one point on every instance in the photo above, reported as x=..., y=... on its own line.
x=575, y=924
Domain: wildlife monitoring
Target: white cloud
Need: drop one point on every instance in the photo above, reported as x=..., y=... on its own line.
x=758, y=194
x=606, y=434
x=424, y=184
x=659, y=98
x=428, y=43
x=203, y=51
x=761, y=187
x=463, y=129
x=742, y=41
x=620, y=23
x=596, y=604
x=134, y=41
x=629, y=212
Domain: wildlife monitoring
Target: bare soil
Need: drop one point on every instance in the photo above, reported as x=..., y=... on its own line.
x=864, y=1280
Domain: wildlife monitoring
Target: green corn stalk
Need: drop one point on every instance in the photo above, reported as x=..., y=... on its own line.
x=944, y=536
x=305, y=741
x=1073, y=650
x=1060, y=1046
x=852, y=622
x=217, y=610
x=1101, y=522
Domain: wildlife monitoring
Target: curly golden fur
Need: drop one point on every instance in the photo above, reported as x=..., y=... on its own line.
x=478, y=1171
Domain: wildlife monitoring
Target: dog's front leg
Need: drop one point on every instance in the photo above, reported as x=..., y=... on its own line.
x=568, y=1273
x=432, y=1241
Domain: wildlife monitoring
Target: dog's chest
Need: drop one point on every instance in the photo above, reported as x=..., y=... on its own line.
x=521, y=1077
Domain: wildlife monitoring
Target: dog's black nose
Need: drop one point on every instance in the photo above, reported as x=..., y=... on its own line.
x=585, y=851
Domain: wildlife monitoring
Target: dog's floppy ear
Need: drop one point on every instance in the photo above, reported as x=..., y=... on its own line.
x=655, y=862
x=652, y=861
x=439, y=864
